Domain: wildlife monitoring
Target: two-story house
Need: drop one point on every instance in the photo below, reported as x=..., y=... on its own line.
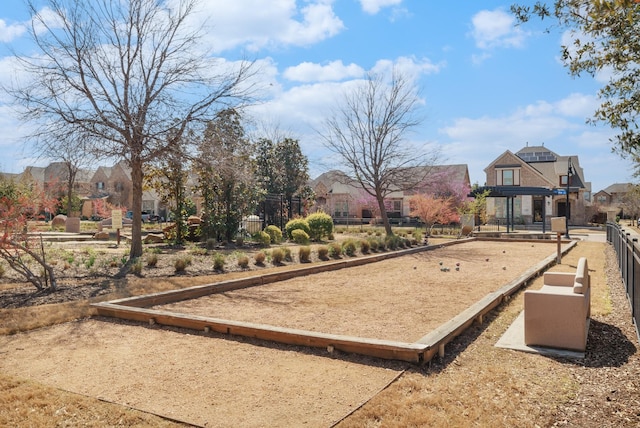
x=560, y=180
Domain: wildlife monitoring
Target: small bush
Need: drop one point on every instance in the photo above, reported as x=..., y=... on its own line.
x=349, y=248
x=320, y=225
x=295, y=224
x=262, y=238
x=259, y=257
x=335, y=250
x=382, y=244
x=239, y=241
x=274, y=233
x=197, y=251
x=243, y=261
x=218, y=262
x=323, y=252
x=364, y=246
x=152, y=260
x=277, y=256
x=373, y=244
x=299, y=236
x=304, y=253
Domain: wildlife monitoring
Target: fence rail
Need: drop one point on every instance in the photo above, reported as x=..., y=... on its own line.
x=627, y=251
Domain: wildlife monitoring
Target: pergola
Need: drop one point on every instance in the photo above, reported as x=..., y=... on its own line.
x=510, y=193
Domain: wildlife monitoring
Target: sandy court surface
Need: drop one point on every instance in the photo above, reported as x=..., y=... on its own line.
x=399, y=299
x=216, y=382
x=201, y=380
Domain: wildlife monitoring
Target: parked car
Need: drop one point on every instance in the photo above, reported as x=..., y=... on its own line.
x=147, y=217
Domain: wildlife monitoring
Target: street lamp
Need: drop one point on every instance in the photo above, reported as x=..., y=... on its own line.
x=567, y=214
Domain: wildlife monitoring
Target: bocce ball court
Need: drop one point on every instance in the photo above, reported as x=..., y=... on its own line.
x=406, y=305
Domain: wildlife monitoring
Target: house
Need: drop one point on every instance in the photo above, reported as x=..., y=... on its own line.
x=542, y=183
x=615, y=198
x=345, y=200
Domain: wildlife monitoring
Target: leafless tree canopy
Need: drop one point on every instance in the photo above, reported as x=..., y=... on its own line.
x=130, y=76
x=368, y=131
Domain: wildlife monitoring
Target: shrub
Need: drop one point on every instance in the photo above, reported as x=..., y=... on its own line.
x=277, y=256
x=364, y=246
x=304, y=253
x=259, y=257
x=262, y=238
x=349, y=248
x=152, y=260
x=393, y=242
x=239, y=241
x=197, y=251
x=323, y=252
x=274, y=233
x=295, y=224
x=299, y=236
x=335, y=250
x=320, y=225
x=218, y=262
x=243, y=261
x=373, y=243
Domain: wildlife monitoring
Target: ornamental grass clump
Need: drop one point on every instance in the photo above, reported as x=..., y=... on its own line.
x=277, y=256
x=218, y=262
x=152, y=260
x=349, y=248
x=323, y=252
x=287, y=254
x=304, y=254
x=259, y=258
x=365, y=247
x=335, y=250
x=181, y=263
x=243, y=261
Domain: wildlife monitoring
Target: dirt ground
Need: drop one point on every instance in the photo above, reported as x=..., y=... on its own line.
x=214, y=381
x=399, y=299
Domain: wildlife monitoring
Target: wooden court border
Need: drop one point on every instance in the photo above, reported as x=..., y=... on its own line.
x=431, y=344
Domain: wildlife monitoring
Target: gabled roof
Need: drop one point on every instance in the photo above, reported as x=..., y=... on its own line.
x=618, y=188
x=508, y=158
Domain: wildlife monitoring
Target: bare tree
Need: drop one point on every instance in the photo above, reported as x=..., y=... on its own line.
x=129, y=76
x=368, y=130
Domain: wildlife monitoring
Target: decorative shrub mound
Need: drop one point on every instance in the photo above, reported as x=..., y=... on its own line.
x=299, y=236
x=349, y=248
x=335, y=250
x=295, y=224
x=320, y=225
x=262, y=238
x=323, y=252
x=275, y=233
x=277, y=256
x=259, y=257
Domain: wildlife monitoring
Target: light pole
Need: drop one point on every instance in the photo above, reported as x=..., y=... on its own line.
x=567, y=214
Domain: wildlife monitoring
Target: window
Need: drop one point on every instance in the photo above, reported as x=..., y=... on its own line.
x=602, y=199
x=119, y=187
x=507, y=177
x=100, y=185
x=564, y=179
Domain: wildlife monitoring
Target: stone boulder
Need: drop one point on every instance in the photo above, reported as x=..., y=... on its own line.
x=153, y=238
x=59, y=221
x=101, y=236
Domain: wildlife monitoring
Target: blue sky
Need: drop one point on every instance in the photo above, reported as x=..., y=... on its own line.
x=487, y=86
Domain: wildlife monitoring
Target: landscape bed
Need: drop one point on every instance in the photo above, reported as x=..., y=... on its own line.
x=405, y=306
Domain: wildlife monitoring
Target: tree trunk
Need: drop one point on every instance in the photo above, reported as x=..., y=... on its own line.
x=136, y=227
x=385, y=217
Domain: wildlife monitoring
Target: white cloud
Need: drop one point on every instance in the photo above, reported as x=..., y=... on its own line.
x=373, y=6
x=333, y=71
x=9, y=32
x=410, y=67
x=253, y=25
x=495, y=29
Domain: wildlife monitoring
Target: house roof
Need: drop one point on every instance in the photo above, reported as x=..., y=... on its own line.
x=618, y=188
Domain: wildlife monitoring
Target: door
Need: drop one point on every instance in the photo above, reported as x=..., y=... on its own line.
x=538, y=209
